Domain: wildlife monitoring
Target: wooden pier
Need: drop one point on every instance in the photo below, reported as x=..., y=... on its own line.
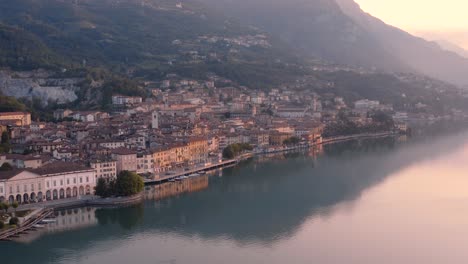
x=26, y=226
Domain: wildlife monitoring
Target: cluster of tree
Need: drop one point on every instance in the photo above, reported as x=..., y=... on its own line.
x=13, y=220
x=5, y=206
x=127, y=184
x=234, y=150
x=292, y=141
x=10, y=104
x=34, y=105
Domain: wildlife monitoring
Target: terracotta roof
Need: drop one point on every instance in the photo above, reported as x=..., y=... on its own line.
x=123, y=151
x=22, y=157
x=59, y=167
x=13, y=113
x=5, y=175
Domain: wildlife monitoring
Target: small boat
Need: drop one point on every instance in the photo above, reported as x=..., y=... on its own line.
x=194, y=175
x=202, y=172
x=38, y=226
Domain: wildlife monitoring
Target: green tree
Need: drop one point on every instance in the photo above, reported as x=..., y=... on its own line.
x=102, y=189
x=6, y=167
x=15, y=205
x=5, y=138
x=228, y=153
x=4, y=206
x=233, y=150
x=129, y=183
x=14, y=221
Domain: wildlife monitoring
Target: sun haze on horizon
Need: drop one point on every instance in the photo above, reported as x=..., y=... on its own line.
x=432, y=19
x=420, y=15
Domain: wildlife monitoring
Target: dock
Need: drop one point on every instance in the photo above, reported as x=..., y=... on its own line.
x=175, y=175
x=26, y=226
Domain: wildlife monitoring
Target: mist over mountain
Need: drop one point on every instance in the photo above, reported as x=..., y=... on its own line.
x=449, y=46
x=316, y=27
x=339, y=31
x=423, y=56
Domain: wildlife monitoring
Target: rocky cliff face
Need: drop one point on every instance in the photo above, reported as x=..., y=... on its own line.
x=39, y=84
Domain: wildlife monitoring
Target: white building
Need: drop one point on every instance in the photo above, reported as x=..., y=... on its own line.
x=126, y=100
x=366, y=104
x=54, y=181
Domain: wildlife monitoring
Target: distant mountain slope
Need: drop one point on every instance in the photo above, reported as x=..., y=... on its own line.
x=139, y=38
x=339, y=31
x=317, y=27
x=424, y=56
x=449, y=46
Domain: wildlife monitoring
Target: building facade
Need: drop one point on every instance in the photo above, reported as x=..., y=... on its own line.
x=18, y=118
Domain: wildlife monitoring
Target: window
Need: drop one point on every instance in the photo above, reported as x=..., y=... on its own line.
x=39, y=187
x=32, y=187
x=61, y=182
x=48, y=184
x=11, y=189
x=17, y=188
x=1, y=189
x=81, y=180
x=74, y=180
x=87, y=179
x=55, y=183
x=68, y=181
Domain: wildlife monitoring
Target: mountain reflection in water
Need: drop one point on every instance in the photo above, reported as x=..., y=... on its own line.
x=261, y=202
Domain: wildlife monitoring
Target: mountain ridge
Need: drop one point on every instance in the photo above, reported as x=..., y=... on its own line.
x=339, y=31
x=424, y=56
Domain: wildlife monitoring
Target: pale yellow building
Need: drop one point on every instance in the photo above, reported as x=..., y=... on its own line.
x=18, y=118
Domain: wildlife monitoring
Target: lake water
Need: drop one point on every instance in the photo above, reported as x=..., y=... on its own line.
x=376, y=201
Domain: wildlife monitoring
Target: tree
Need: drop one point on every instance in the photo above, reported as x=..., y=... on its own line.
x=228, y=153
x=233, y=150
x=6, y=167
x=102, y=189
x=129, y=183
x=5, y=138
x=4, y=207
x=14, y=221
x=15, y=205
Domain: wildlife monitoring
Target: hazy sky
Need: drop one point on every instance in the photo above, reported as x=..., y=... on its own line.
x=417, y=15
x=432, y=19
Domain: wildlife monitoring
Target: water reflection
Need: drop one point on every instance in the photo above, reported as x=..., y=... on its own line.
x=65, y=220
x=169, y=189
x=262, y=202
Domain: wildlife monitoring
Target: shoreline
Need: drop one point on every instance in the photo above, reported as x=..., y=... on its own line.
x=135, y=199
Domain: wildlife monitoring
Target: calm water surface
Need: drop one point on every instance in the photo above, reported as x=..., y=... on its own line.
x=377, y=201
